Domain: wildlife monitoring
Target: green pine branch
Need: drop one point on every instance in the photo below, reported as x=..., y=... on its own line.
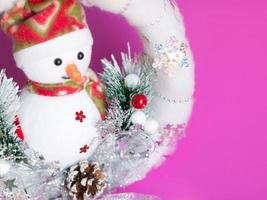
x=9, y=105
x=115, y=90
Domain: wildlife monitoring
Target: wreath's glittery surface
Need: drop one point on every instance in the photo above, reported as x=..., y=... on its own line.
x=171, y=133
x=171, y=56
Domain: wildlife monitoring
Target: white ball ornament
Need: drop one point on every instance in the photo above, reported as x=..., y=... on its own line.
x=4, y=167
x=151, y=126
x=131, y=80
x=138, y=117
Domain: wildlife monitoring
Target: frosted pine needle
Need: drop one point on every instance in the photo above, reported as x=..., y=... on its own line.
x=9, y=105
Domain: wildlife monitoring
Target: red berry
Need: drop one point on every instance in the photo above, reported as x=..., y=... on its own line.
x=139, y=101
x=18, y=131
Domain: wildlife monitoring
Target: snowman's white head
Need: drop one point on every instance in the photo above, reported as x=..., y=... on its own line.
x=48, y=36
x=48, y=62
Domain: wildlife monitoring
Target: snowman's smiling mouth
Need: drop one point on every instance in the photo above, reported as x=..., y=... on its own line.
x=65, y=77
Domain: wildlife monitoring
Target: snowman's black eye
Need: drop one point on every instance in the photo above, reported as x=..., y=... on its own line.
x=80, y=55
x=57, y=61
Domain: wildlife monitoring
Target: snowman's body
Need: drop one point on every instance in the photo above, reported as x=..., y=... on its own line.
x=50, y=126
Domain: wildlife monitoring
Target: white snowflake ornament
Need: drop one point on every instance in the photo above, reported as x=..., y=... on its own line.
x=171, y=57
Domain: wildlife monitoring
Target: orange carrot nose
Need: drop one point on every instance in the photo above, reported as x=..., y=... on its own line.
x=74, y=74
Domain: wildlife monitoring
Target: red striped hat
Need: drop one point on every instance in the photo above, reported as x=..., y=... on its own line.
x=32, y=22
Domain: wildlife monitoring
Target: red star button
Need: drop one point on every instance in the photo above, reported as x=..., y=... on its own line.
x=84, y=149
x=80, y=116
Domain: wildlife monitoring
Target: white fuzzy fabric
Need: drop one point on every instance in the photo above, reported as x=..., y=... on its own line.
x=114, y=6
x=6, y=5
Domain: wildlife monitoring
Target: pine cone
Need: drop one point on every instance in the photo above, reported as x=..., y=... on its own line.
x=85, y=179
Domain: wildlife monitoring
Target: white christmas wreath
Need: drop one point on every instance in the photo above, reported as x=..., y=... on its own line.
x=149, y=98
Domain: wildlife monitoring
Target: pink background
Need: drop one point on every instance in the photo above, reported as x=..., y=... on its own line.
x=223, y=156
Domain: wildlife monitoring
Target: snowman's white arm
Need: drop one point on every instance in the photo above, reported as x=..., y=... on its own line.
x=167, y=22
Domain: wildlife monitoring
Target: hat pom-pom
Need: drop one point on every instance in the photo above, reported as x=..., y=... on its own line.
x=6, y=5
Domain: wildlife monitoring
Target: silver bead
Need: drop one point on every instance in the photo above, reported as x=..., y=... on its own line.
x=180, y=101
x=158, y=19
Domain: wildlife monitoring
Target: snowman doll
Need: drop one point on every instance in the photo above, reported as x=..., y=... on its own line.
x=63, y=100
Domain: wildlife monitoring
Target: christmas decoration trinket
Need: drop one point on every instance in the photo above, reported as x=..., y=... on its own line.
x=171, y=56
x=139, y=101
x=132, y=80
x=85, y=180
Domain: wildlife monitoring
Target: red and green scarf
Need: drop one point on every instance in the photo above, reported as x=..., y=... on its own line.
x=92, y=85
